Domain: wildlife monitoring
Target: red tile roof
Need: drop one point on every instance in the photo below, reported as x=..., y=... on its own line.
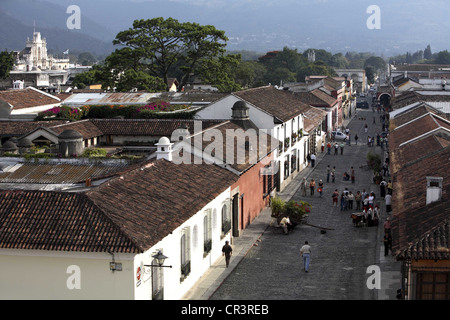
x=282, y=104
x=27, y=98
x=57, y=221
x=129, y=213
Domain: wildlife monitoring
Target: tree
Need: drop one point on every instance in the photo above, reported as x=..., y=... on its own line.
x=219, y=72
x=443, y=57
x=6, y=63
x=157, y=45
x=427, y=53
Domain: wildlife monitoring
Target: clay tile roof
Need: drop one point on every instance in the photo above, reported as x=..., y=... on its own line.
x=317, y=98
x=57, y=221
x=19, y=128
x=154, y=127
x=420, y=230
x=243, y=157
x=130, y=213
x=27, y=98
x=151, y=202
x=282, y=104
x=86, y=128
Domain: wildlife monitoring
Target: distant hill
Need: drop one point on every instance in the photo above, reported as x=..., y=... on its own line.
x=265, y=25
x=18, y=17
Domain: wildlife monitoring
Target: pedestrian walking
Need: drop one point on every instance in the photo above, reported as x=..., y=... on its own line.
x=313, y=160
x=387, y=225
x=312, y=186
x=343, y=202
x=358, y=199
x=387, y=243
x=348, y=139
x=305, y=253
x=333, y=175
x=329, y=147
x=320, y=188
x=342, y=148
x=285, y=223
x=365, y=128
x=335, y=197
x=336, y=148
x=388, y=199
x=351, y=197
x=303, y=187
x=356, y=139
x=328, y=173
x=323, y=147
x=382, y=188
x=352, y=174
x=227, y=251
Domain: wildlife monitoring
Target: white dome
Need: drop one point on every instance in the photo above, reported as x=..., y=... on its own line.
x=164, y=140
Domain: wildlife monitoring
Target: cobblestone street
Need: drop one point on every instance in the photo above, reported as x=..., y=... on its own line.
x=273, y=269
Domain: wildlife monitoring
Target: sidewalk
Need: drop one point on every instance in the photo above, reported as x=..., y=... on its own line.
x=218, y=273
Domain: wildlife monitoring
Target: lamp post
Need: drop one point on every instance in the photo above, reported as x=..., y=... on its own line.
x=160, y=258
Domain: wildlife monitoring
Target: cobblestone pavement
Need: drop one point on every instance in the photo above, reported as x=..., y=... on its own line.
x=340, y=257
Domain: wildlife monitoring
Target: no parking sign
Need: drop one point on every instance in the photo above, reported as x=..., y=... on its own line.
x=138, y=276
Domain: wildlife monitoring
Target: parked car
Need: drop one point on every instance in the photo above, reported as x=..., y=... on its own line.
x=362, y=105
x=338, y=135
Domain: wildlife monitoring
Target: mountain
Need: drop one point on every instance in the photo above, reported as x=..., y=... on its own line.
x=21, y=17
x=264, y=25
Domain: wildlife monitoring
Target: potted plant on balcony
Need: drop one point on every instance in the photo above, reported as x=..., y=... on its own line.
x=287, y=143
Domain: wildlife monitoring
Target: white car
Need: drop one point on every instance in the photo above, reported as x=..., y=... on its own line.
x=338, y=135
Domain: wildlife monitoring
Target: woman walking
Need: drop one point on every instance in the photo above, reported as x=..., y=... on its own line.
x=312, y=186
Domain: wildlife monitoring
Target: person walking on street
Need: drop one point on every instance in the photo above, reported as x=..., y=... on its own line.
x=342, y=148
x=352, y=174
x=351, y=197
x=356, y=139
x=303, y=187
x=387, y=226
x=388, y=199
x=313, y=160
x=329, y=147
x=387, y=243
x=333, y=174
x=358, y=199
x=335, y=197
x=336, y=148
x=305, y=252
x=320, y=188
x=312, y=186
x=227, y=251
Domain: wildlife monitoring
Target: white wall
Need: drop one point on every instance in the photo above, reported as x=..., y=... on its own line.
x=174, y=288
x=41, y=274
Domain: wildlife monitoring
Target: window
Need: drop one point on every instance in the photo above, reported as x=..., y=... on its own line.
x=226, y=220
x=185, y=253
x=207, y=233
x=433, y=286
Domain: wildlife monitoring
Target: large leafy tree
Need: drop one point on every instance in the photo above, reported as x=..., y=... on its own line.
x=6, y=63
x=162, y=47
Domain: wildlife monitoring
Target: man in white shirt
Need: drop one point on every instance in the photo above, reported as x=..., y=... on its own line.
x=305, y=252
x=388, y=199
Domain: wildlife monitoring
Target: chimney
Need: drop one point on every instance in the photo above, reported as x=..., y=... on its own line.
x=434, y=189
x=164, y=149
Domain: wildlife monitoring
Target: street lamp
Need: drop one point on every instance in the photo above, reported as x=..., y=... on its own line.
x=160, y=258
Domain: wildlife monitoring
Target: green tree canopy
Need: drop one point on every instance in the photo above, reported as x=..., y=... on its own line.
x=158, y=46
x=6, y=63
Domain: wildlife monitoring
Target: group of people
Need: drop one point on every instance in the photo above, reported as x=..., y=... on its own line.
x=311, y=185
